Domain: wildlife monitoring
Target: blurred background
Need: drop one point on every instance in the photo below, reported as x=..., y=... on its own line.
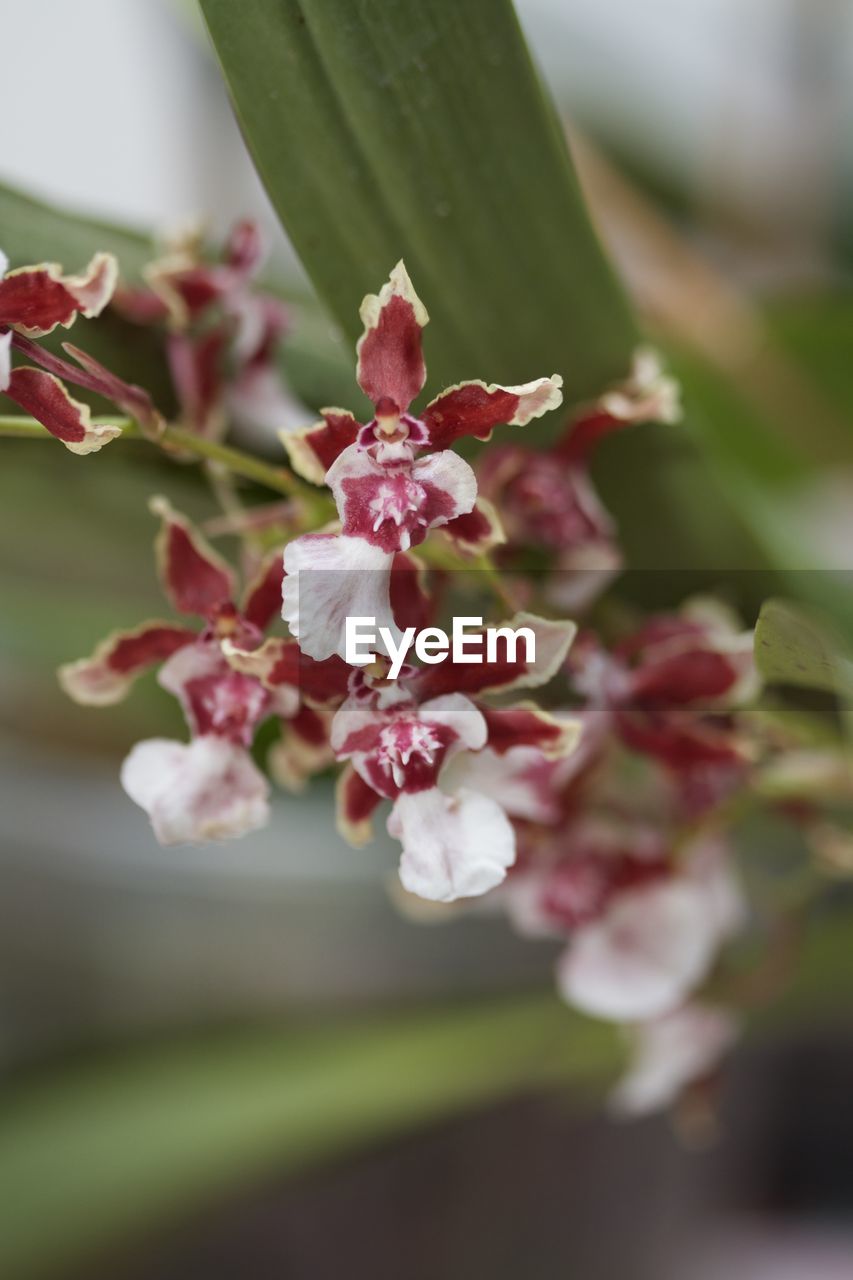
x=208, y=1054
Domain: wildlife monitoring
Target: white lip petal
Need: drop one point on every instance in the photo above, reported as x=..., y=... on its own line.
x=648, y=950
x=208, y=789
x=330, y=578
x=670, y=1053
x=455, y=846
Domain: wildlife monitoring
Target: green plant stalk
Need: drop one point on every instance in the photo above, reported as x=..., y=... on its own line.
x=279, y=479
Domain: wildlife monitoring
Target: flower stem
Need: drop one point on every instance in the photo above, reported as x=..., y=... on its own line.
x=279, y=479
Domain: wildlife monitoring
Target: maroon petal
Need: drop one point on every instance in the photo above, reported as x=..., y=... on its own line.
x=194, y=577
x=196, y=368
x=552, y=644
x=107, y=675
x=477, y=531
x=526, y=725
x=44, y=397
x=35, y=300
x=280, y=662
x=698, y=675
x=134, y=400
x=475, y=408
x=262, y=601
x=356, y=803
x=390, y=360
x=410, y=601
x=681, y=742
x=244, y=250
x=313, y=450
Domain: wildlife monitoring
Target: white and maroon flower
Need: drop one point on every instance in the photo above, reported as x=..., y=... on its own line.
x=221, y=335
x=670, y=689
x=547, y=500
x=227, y=679
x=670, y=1053
x=33, y=302
x=653, y=941
x=388, y=498
x=403, y=739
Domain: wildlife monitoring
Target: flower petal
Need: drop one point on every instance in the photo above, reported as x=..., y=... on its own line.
x=476, y=408
x=670, y=1053
x=328, y=579
x=108, y=674
x=356, y=802
x=390, y=360
x=302, y=750
x=5, y=359
x=455, y=846
x=35, y=300
x=552, y=644
x=208, y=789
x=644, y=955
x=312, y=450
x=278, y=662
x=262, y=599
x=194, y=577
x=526, y=725
x=477, y=531
x=394, y=507
x=215, y=698
x=43, y=396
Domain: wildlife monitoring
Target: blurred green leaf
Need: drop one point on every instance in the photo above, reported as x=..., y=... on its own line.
x=420, y=129
x=115, y=1145
x=794, y=647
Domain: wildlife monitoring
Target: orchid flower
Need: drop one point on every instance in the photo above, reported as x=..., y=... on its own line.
x=226, y=682
x=222, y=335
x=669, y=1053
x=388, y=498
x=400, y=738
x=33, y=302
x=547, y=500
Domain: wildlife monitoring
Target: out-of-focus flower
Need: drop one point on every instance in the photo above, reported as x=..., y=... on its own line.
x=643, y=930
x=33, y=302
x=547, y=500
x=227, y=680
x=669, y=689
x=400, y=738
x=222, y=335
x=387, y=498
x=670, y=1053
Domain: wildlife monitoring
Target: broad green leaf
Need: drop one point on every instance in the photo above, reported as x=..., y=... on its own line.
x=792, y=647
x=420, y=130
x=116, y=1144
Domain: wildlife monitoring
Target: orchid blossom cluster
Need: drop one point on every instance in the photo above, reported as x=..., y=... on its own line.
x=598, y=815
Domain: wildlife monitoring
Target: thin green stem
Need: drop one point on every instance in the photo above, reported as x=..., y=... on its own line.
x=279, y=479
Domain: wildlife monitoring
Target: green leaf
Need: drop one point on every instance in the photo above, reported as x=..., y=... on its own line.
x=113, y=1145
x=793, y=647
x=419, y=129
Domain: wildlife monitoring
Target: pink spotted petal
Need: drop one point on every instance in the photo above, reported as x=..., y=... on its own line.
x=312, y=450
x=455, y=846
x=44, y=397
x=476, y=408
x=390, y=360
x=552, y=644
x=394, y=507
x=651, y=947
x=328, y=579
x=34, y=300
x=356, y=804
x=108, y=674
x=208, y=789
x=194, y=577
x=670, y=1053
x=477, y=531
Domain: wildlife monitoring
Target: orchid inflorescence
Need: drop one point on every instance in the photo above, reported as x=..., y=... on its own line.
x=599, y=819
